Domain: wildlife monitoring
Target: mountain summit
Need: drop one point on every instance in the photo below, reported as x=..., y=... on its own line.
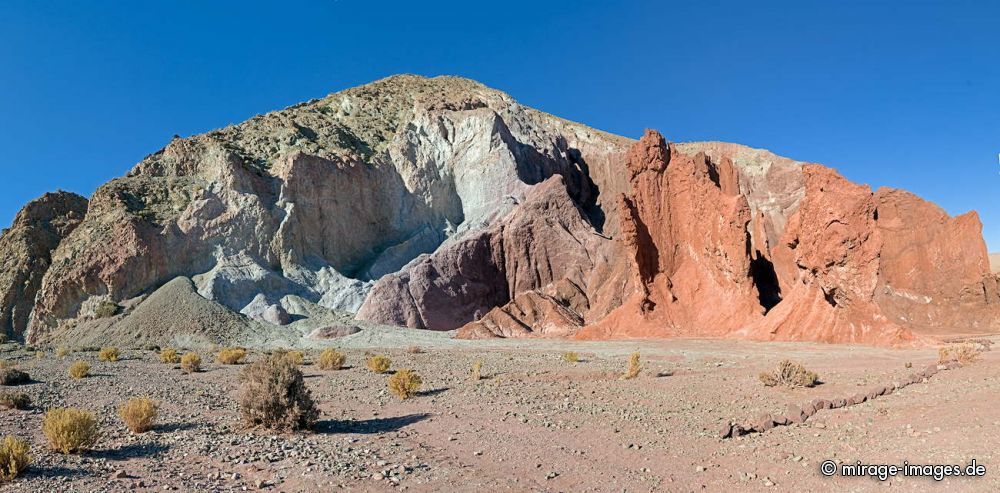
x=439, y=203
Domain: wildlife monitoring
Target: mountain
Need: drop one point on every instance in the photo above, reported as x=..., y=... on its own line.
x=439, y=203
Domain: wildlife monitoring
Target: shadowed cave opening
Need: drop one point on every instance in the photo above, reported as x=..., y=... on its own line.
x=766, y=280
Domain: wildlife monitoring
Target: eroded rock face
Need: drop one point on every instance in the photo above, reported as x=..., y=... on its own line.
x=934, y=271
x=543, y=241
x=320, y=200
x=26, y=253
x=684, y=233
x=443, y=204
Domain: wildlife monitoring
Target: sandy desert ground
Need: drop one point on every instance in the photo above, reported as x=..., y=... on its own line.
x=533, y=423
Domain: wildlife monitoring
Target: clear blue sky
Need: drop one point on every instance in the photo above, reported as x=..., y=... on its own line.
x=901, y=94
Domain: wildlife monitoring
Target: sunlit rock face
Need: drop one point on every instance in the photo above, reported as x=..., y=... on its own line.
x=442, y=204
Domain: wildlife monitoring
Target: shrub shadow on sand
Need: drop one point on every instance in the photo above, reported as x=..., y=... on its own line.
x=131, y=451
x=369, y=426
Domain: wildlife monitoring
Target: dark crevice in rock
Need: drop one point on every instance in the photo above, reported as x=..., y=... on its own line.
x=766, y=280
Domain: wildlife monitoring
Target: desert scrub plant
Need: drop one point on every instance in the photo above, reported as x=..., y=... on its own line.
x=296, y=357
x=39, y=354
x=13, y=376
x=109, y=354
x=378, y=363
x=79, y=369
x=191, y=363
x=415, y=350
x=232, y=355
x=169, y=355
x=139, y=414
x=331, y=359
x=405, y=383
x=570, y=357
x=14, y=457
x=15, y=400
x=62, y=351
x=962, y=353
x=790, y=374
x=273, y=394
x=633, y=366
x=106, y=309
x=69, y=430
x=477, y=370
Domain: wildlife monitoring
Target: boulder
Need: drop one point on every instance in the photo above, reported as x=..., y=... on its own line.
x=334, y=331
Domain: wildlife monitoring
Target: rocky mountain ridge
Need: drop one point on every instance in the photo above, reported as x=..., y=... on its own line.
x=442, y=204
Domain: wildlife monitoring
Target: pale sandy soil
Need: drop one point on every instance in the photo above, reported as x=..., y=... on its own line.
x=995, y=263
x=535, y=423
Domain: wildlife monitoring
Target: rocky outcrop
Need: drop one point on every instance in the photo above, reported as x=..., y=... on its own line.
x=828, y=261
x=320, y=200
x=26, y=253
x=684, y=233
x=442, y=204
x=541, y=242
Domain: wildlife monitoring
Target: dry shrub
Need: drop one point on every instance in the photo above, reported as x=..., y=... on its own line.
x=274, y=395
x=62, y=351
x=69, y=430
x=331, y=359
x=378, y=363
x=790, y=374
x=4, y=364
x=415, y=350
x=14, y=457
x=79, y=369
x=962, y=353
x=405, y=383
x=39, y=354
x=570, y=357
x=296, y=357
x=477, y=370
x=633, y=366
x=110, y=354
x=139, y=414
x=169, y=355
x=15, y=400
x=13, y=376
x=232, y=356
x=191, y=363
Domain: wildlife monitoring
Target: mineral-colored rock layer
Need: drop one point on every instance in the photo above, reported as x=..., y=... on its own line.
x=442, y=204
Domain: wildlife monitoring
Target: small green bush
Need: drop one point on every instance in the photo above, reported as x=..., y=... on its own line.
x=14, y=457
x=232, y=356
x=191, y=363
x=633, y=367
x=790, y=374
x=109, y=354
x=15, y=400
x=405, y=383
x=274, y=395
x=169, y=355
x=79, y=369
x=378, y=363
x=331, y=359
x=69, y=430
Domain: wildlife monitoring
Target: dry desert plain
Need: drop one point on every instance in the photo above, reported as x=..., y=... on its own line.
x=534, y=422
